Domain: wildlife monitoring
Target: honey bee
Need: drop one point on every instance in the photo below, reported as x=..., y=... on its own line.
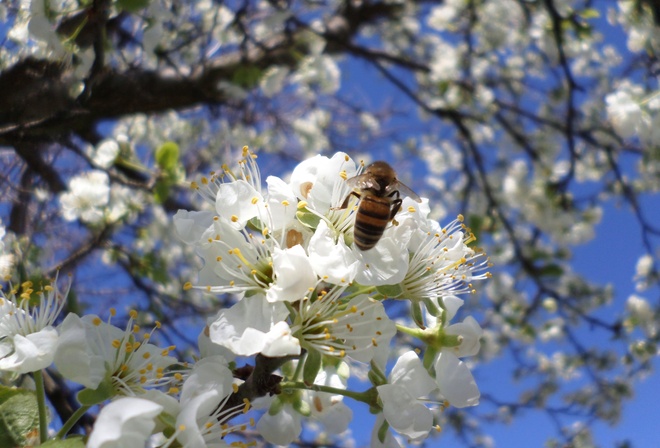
x=379, y=192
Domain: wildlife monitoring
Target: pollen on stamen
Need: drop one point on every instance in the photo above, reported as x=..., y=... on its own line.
x=234, y=218
x=247, y=405
x=302, y=204
x=96, y=321
x=285, y=203
x=343, y=174
x=187, y=286
x=234, y=387
x=254, y=200
x=205, y=181
x=373, y=341
x=194, y=186
x=113, y=312
x=173, y=390
x=412, y=209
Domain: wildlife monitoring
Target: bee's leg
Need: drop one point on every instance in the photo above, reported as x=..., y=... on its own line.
x=345, y=203
x=396, y=205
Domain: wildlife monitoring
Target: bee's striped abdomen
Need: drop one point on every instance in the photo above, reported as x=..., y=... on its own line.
x=371, y=219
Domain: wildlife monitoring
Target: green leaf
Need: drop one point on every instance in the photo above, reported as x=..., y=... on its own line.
x=590, y=13
x=132, y=5
x=19, y=417
x=90, y=397
x=167, y=156
x=161, y=191
x=552, y=270
x=308, y=219
x=312, y=366
x=247, y=76
x=70, y=442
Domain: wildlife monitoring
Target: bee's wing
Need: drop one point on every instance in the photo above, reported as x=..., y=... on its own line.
x=404, y=190
x=363, y=181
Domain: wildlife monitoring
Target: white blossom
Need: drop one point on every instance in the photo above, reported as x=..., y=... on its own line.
x=87, y=197
x=254, y=325
x=402, y=407
x=624, y=113
x=6, y=257
x=92, y=351
x=127, y=421
x=28, y=338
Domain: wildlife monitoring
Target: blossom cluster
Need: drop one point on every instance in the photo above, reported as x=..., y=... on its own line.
x=303, y=289
x=303, y=294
